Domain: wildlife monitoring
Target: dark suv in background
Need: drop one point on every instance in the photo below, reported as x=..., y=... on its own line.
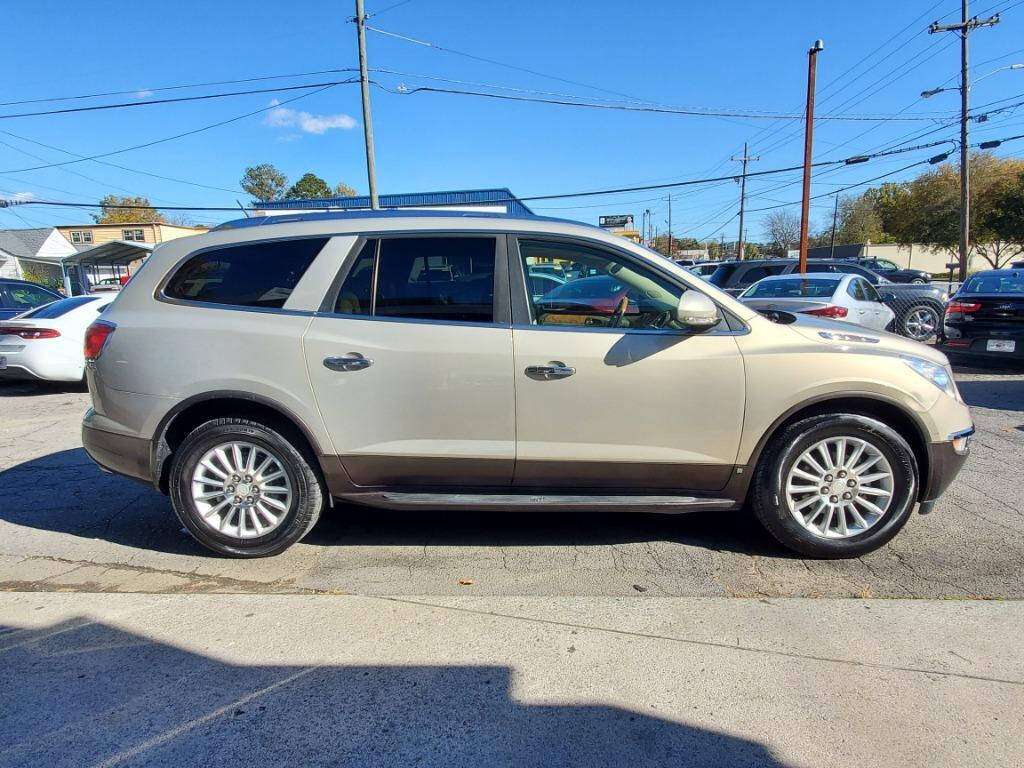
x=918, y=308
x=894, y=273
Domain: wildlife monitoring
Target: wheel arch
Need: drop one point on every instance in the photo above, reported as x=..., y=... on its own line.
x=872, y=405
x=193, y=411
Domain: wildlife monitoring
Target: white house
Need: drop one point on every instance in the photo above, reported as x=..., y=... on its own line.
x=41, y=248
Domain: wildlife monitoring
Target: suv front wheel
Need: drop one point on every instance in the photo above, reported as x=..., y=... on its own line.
x=243, y=489
x=835, y=485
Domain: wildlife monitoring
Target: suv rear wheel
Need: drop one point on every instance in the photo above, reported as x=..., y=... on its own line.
x=243, y=489
x=835, y=485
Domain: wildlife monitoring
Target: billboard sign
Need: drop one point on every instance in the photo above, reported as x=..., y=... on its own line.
x=615, y=222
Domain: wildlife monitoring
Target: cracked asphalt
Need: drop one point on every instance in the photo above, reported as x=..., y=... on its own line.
x=66, y=526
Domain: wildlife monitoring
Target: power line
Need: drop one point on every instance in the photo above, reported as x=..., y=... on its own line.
x=151, y=102
x=175, y=136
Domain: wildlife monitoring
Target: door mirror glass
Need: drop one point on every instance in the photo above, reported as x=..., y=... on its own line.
x=886, y=296
x=697, y=311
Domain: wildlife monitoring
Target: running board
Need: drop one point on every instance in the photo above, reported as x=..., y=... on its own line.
x=545, y=502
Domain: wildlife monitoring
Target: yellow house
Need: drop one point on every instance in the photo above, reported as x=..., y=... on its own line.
x=88, y=235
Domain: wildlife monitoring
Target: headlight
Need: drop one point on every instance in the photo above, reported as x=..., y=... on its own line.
x=937, y=374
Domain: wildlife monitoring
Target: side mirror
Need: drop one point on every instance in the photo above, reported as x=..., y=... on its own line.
x=885, y=296
x=697, y=311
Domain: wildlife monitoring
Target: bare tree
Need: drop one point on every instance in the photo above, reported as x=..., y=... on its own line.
x=781, y=230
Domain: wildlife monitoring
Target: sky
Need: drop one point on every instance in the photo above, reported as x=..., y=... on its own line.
x=743, y=57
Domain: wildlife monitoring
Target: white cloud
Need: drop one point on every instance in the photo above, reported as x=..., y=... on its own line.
x=143, y=94
x=282, y=117
x=23, y=195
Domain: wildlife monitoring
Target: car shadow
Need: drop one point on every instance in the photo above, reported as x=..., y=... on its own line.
x=1007, y=395
x=91, y=693
x=66, y=492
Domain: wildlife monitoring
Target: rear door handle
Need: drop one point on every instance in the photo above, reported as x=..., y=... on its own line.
x=553, y=370
x=353, y=361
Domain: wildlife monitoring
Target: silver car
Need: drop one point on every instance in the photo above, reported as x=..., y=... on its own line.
x=260, y=371
x=846, y=298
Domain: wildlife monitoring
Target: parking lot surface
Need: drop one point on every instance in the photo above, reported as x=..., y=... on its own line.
x=65, y=526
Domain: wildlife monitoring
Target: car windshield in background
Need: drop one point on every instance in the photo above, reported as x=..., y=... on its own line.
x=793, y=288
x=59, y=308
x=995, y=283
x=721, y=275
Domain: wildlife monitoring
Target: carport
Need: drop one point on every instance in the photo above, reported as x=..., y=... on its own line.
x=79, y=269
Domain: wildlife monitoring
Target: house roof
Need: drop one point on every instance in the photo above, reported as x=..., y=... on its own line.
x=454, y=197
x=23, y=243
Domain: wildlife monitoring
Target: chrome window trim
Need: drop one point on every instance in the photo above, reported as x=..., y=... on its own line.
x=236, y=307
x=413, y=320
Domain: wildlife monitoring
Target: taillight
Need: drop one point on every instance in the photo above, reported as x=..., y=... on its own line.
x=829, y=311
x=27, y=332
x=962, y=307
x=96, y=336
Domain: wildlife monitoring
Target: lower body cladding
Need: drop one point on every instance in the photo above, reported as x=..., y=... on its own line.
x=132, y=457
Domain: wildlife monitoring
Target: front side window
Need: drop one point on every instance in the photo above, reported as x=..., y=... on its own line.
x=599, y=291
x=424, y=278
x=251, y=275
x=885, y=266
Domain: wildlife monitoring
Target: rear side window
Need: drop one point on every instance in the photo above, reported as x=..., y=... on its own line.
x=856, y=290
x=59, y=308
x=425, y=278
x=251, y=275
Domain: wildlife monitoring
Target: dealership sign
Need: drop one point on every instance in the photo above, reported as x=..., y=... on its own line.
x=615, y=222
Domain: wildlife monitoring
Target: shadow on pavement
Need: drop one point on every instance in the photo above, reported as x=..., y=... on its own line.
x=88, y=693
x=66, y=492
x=1007, y=395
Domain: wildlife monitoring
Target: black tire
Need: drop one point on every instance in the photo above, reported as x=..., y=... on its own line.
x=919, y=281
x=934, y=312
x=306, y=503
x=767, y=492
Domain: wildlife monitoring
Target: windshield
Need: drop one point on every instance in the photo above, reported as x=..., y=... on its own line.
x=1010, y=282
x=792, y=288
x=720, y=276
x=59, y=308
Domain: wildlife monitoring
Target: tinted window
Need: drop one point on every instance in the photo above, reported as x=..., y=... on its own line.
x=721, y=275
x=22, y=296
x=253, y=275
x=754, y=274
x=792, y=287
x=62, y=307
x=869, y=291
x=354, y=296
x=995, y=282
x=856, y=290
x=426, y=278
x=600, y=291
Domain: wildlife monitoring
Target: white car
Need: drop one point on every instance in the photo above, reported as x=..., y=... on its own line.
x=842, y=297
x=48, y=342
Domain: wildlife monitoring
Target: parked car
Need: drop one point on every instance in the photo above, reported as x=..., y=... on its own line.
x=986, y=316
x=541, y=283
x=895, y=273
x=703, y=268
x=918, y=308
x=47, y=342
x=847, y=298
x=107, y=284
x=17, y=296
x=253, y=373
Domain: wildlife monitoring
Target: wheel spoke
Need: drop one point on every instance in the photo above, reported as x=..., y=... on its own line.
x=209, y=465
x=858, y=470
x=208, y=496
x=805, y=503
x=841, y=512
x=855, y=456
x=872, y=491
x=823, y=452
x=840, y=452
x=874, y=509
x=807, y=476
x=275, y=503
x=873, y=478
x=857, y=516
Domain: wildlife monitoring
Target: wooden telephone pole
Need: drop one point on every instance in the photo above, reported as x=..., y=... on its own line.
x=805, y=204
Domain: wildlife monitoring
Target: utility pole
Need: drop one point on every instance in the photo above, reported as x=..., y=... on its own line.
x=743, y=195
x=371, y=165
x=650, y=225
x=835, y=215
x=721, y=248
x=964, y=29
x=805, y=205
x=670, y=226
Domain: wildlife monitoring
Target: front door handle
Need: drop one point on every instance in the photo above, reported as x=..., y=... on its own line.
x=353, y=361
x=553, y=370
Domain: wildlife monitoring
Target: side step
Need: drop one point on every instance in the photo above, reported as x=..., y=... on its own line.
x=533, y=502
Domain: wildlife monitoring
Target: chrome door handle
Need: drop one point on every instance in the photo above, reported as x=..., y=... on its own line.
x=553, y=370
x=353, y=361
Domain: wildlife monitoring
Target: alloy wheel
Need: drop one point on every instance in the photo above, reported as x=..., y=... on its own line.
x=241, y=489
x=921, y=324
x=839, y=487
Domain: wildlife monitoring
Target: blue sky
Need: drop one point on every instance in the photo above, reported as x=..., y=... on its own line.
x=740, y=55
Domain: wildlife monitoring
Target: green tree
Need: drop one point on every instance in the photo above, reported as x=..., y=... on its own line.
x=264, y=182
x=858, y=221
x=344, y=190
x=141, y=211
x=309, y=187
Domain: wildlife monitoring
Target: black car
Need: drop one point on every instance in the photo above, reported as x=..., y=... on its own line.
x=986, y=316
x=17, y=296
x=918, y=308
x=895, y=273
